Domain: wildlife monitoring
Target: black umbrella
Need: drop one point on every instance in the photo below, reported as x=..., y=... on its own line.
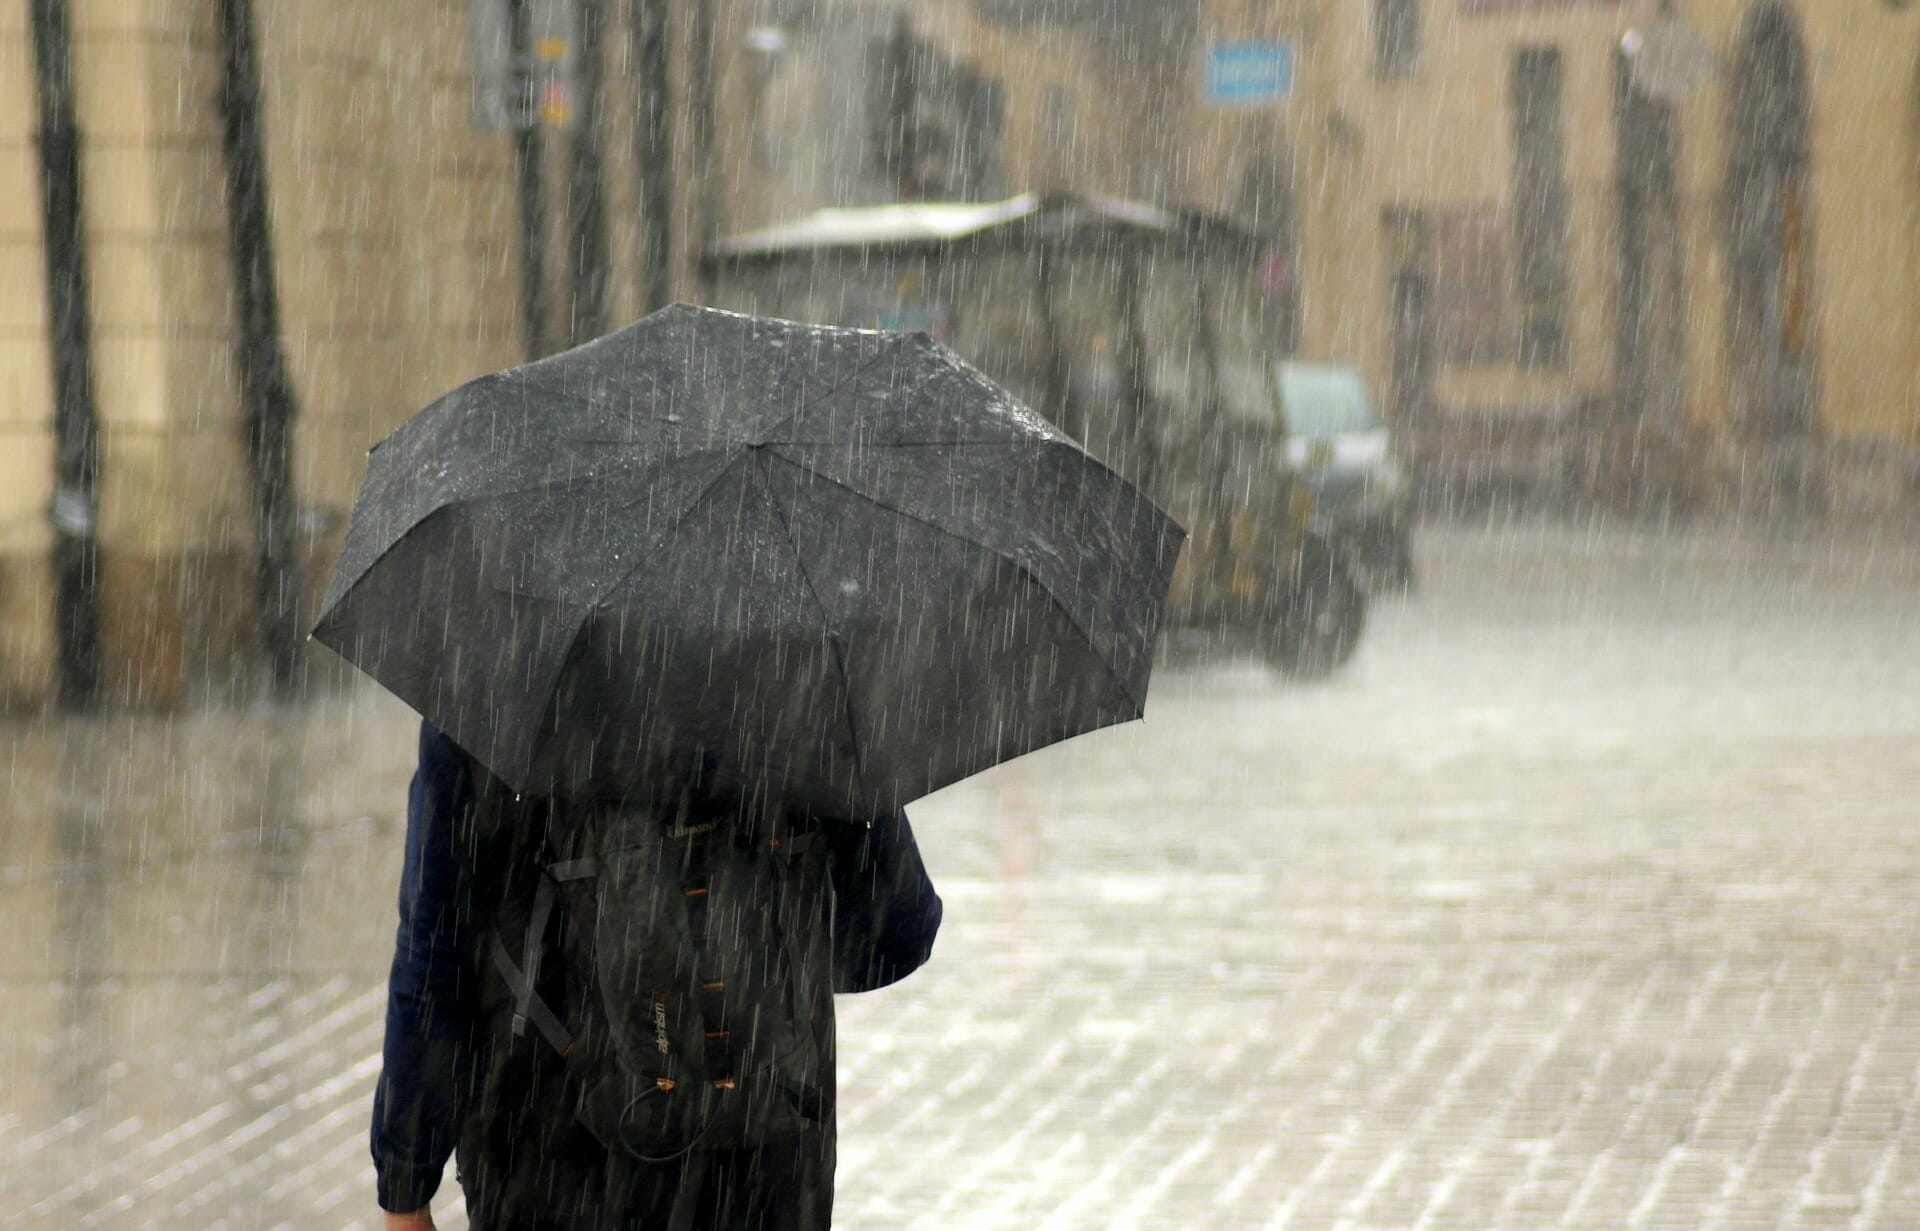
x=833, y=564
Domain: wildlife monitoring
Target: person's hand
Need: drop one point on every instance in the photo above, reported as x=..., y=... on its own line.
x=420, y=1220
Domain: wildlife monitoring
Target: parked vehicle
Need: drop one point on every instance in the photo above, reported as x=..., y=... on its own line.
x=1337, y=441
x=1141, y=332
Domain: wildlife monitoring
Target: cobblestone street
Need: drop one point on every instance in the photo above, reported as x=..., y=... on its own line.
x=1588, y=897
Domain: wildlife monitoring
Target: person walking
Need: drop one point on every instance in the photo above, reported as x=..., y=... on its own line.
x=692, y=611
x=464, y=1076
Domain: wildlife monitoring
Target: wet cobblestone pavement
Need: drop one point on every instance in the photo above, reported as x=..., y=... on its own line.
x=1589, y=897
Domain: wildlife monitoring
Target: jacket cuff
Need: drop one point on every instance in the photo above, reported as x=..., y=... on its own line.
x=404, y=1189
x=889, y=963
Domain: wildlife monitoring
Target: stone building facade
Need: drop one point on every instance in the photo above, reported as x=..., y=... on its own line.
x=1559, y=266
x=1705, y=297
x=396, y=239
x=1690, y=282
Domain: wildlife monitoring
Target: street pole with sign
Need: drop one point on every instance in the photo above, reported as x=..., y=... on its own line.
x=524, y=55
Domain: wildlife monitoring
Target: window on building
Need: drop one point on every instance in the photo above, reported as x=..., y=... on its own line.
x=1396, y=37
x=933, y=125
x=1540, y=204
x=1470, y=251
x=1456, y=298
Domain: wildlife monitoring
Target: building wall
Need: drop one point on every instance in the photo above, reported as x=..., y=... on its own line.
x=1866, y=208
x=1064, y=125
x=396, y=243
x=26, y=382
x=397, y=254
x=396, y=231
x=146, y=178
x=1441, y=138
x=1438, y=139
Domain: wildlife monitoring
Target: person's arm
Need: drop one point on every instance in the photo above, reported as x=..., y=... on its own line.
x=885, y=912
x=415, y=1105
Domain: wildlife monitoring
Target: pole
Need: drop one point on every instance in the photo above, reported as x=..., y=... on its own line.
x=705, y=131
x=528, y=146
x=897, y=141
x=654, y=134
x=76, y=431
x=265, y=383
x=586, y=204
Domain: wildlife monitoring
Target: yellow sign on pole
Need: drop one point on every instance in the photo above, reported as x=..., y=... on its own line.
x=523, y=54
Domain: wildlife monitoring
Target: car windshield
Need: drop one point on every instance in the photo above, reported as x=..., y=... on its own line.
x=1325, y=401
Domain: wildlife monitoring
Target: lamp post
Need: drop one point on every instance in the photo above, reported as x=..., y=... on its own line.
x=76, y=431
x=266, y=385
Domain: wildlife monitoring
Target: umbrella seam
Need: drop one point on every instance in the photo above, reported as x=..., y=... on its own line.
x=665, y=532
x=854, y=445
x=592, y=605
x=893, y=345
x=590, y=473
x=454, y=503
x=347, y=589
x=833, y=636
x=664, y=420
x=1025, y=571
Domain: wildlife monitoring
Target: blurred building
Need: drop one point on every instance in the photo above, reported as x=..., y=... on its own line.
x=1635, y=249
x=862, y=102
x=399, y=237
x=1615, y=249
x=395, y=232
x=1623, y=248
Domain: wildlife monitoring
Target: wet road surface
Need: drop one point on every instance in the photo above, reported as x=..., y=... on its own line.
x=1588, y=897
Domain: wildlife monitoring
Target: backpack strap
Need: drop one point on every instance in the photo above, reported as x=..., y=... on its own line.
x=792, y=845
x=573, y=869
x=527, y=1004
x=528, y=1007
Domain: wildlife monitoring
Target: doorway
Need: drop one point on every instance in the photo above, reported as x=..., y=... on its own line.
x=1770, y=239
x=1410, y=318
x=1643, y=453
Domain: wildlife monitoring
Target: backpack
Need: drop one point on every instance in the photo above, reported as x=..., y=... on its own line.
x=695, y=990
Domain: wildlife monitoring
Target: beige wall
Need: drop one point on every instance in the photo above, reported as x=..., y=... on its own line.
x=1866, y=215
x=398, y=254
x=397, y=250
x=26, y=395
x=1442, y=138
x=395, y=223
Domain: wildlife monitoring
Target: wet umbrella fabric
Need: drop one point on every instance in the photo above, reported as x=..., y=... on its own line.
x=835, y=565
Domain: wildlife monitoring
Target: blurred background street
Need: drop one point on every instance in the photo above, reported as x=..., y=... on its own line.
x=1574, y=887
x=1583, y=898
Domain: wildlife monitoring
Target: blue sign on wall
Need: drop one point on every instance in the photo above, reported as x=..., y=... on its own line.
x=1246, y=74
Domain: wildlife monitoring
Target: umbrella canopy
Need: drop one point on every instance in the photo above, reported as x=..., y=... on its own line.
x=834, y=565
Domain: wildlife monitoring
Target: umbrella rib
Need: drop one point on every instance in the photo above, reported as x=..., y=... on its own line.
x=826, y=621
x=456, y=501
x=663, y=420
x=859, y=446
x=986, y=547
x=661, y=536
x=573, y=641
x=892, y=346
x=595, y=471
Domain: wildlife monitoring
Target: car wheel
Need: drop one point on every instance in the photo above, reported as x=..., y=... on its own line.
x=1323, y=619
x=1399, y=571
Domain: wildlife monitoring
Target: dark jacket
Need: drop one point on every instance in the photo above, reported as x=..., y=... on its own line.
x=885, y=916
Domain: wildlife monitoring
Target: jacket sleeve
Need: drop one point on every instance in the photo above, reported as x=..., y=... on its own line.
x=415, y=1104
x=885, y=912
